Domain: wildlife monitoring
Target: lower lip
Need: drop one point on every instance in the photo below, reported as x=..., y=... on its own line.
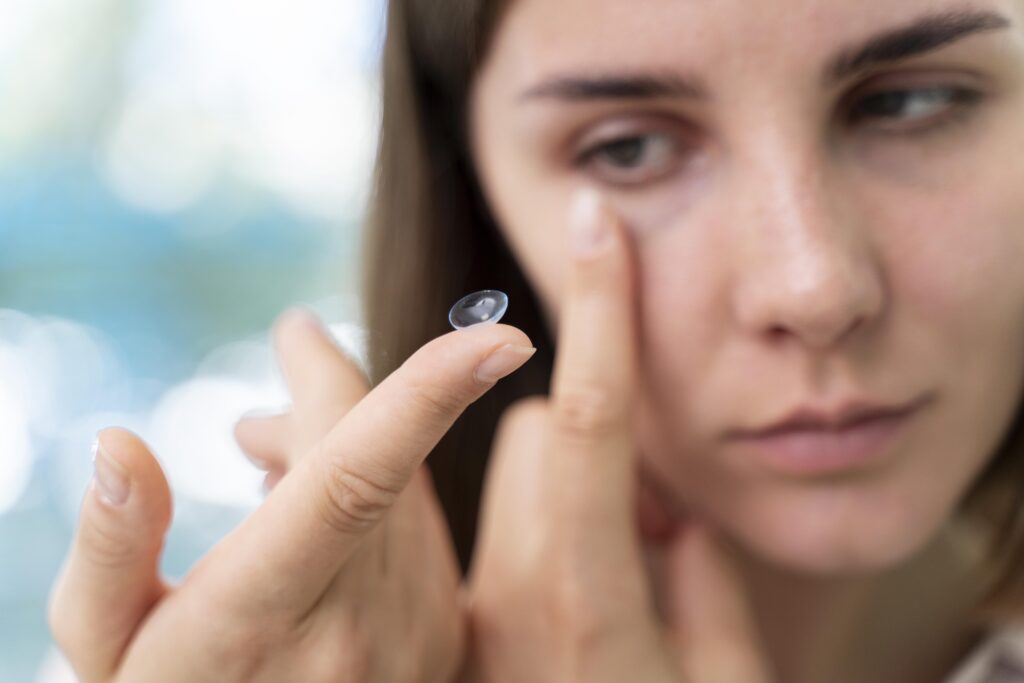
x=817, y=452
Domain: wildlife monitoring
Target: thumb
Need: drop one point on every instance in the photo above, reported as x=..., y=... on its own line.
x=712, y=623
x=110, y=579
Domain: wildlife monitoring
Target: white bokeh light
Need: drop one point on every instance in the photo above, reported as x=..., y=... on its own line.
x=191, y=426
x=51, y=371
x=191, y=430
x=15, y=464
x=50, y=53
x=280, y=94
x=162, y=157
x=55, y=669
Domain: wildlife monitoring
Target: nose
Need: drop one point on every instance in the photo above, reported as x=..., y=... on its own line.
x=806, y=268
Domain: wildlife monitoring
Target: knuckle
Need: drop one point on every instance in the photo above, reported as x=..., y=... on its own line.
x=438, y=403
x=588, y=411
x=353, y=502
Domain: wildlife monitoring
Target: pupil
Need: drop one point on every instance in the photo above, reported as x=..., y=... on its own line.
x=625, y=152
x=886, y=103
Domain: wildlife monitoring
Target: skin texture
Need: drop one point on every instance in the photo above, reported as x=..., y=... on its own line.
x=812, y=262
x=787, y=253
x=778, y=253
x=347, y=561
x=558, y=589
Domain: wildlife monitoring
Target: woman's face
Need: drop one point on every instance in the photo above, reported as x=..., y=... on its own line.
x=810, y=227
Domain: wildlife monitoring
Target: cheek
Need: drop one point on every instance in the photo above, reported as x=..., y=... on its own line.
x=955, y=263
x=683, y=317
x=953, y=323
x=684, y=320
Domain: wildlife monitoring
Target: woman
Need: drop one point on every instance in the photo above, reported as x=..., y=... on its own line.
x=763, y=256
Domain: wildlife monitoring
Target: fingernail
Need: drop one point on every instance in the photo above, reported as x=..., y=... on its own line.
x=503, y=362
x=589, y=234
x=111, y=477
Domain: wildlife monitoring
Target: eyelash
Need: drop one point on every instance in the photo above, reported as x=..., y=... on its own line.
x=961, y=103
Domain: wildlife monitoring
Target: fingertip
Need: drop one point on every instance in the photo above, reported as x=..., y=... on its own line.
x=292, y=323
x=468, y=361
x=593, y=226
x=516, y=335
x=109, y=579
x=586, y=206
x=492, y=337
x=240, y=431
x=264, y=440
x=296, y=316
x=134, y=459
x=124, y=445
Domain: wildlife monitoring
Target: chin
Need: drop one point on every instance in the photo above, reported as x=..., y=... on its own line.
x=832, y=534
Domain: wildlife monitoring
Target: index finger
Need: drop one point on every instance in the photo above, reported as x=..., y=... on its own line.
x=593, y=387
x=291, y=548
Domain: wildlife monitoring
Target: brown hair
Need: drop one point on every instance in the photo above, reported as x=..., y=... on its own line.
x=431, y=239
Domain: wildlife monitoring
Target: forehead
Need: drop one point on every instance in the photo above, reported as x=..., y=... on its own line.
x=539, y=37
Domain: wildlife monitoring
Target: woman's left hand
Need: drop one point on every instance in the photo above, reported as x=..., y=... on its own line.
x=559, y=590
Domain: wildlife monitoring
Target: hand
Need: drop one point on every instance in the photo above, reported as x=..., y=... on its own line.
x=346, y=563
x=324, y=384
x=558, y=589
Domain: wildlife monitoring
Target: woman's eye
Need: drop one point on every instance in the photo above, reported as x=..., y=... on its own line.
x=935, y=104
x=631, y=160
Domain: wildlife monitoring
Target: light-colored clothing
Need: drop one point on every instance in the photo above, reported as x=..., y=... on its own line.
x=997, y=659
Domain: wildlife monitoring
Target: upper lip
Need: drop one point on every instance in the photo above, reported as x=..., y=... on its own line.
x=849, y=413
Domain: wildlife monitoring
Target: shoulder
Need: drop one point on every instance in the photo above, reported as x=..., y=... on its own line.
x=997, y=659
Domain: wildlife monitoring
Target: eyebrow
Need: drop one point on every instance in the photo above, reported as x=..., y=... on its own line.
x=924, y=35
x=917, y=37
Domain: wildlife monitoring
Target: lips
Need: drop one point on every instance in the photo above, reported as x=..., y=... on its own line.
x=860, y=436
x=811, y=418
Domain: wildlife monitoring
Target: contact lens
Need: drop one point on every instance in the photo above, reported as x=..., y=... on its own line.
x=478, y=308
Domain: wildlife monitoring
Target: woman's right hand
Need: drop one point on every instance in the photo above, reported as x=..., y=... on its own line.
x=345, y=572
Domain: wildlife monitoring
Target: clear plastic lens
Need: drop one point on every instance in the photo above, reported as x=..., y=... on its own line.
x=479, y=308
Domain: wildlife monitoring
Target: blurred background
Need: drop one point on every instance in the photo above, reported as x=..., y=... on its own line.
x=173, y=174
